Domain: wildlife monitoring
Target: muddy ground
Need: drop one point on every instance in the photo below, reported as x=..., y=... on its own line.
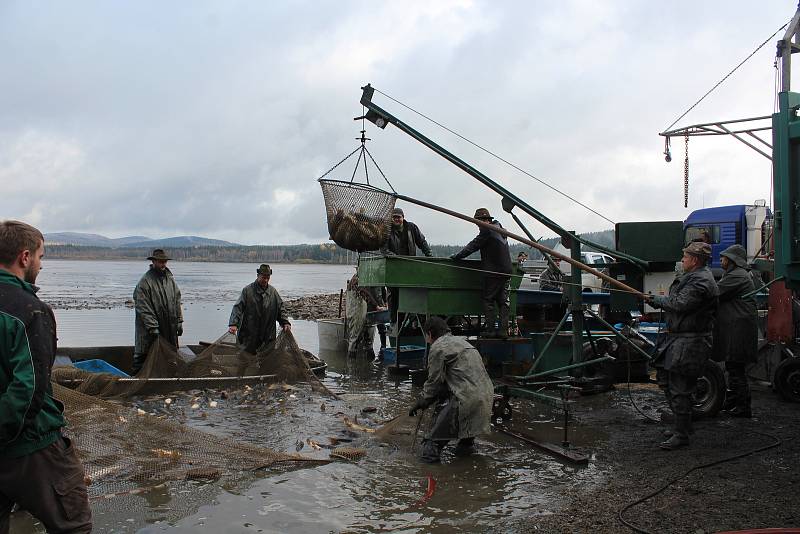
x=758, y=491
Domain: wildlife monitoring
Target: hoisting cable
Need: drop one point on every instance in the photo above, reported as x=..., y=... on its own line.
x=725, y=78
x=486, y=150
x=620, y=515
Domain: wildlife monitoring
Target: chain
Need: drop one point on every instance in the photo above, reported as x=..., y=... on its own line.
x=686, y=171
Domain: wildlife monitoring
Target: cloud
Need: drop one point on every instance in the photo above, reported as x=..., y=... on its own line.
x=216, y=119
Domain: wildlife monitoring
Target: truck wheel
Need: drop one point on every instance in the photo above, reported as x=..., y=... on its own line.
x=787, y=379
x=710, y=392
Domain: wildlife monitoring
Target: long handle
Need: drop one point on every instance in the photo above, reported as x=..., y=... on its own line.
x=534, y=244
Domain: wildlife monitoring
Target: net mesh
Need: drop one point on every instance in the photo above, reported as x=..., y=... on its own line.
x=359, y=215
x=222, y=363
x=124, y=448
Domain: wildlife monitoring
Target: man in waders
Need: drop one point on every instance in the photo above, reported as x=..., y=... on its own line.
x=461, y=389
x=254, y=315
x=496, y=262
x=736, y=334
x=157, y=300
x=690, y=310
x=39, y=468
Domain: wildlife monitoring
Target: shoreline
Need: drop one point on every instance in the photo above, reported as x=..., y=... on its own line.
x=308, y=308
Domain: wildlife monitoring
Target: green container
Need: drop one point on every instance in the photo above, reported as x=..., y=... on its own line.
x=430, y=286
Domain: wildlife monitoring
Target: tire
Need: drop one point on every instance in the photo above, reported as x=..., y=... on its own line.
x=787, y=379
x=710, y=392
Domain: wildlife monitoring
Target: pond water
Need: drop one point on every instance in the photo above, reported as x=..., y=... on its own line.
x=506, y=481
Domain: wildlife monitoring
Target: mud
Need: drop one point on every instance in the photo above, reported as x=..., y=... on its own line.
x=757, y=491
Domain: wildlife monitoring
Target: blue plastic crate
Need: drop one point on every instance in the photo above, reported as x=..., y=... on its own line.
x=100, y=366
x=408, y=353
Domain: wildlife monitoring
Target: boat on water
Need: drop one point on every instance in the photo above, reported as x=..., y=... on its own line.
x=120, y=358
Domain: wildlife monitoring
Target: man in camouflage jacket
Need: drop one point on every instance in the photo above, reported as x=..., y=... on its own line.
x=690, y=310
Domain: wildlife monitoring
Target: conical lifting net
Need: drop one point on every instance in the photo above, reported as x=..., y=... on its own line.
x=359, y=215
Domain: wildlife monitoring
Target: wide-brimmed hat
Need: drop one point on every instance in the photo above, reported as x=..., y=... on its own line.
x=482, y=213
x=737, y=254
x=158, y=254
x=699, y=249
x=264, y=269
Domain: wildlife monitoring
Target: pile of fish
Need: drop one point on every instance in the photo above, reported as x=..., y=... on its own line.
x=358, y=231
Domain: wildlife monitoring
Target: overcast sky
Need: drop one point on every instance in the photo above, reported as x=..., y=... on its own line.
x=216, y=118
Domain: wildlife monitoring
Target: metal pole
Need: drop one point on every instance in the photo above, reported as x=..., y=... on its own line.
x=560, y=325
x=619, y=334
x=605, y=358
x=576, y=304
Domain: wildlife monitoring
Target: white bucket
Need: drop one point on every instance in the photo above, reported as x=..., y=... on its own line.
x=331, y=335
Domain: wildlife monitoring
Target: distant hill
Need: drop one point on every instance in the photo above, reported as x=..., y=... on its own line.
x=181, y=242
x=137, y=241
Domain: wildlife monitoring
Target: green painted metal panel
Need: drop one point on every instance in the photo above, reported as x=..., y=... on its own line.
x=786, y=165
x=656, y=242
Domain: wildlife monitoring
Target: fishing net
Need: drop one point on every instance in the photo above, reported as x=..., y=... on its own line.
x=124, y=448
x=359, y=215
x=221, y=364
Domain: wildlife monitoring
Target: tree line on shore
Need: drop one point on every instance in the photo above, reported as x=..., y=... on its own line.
x=314, y=253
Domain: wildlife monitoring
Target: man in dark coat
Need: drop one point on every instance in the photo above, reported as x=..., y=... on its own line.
x=552, y=279
x=254, y=315
x=461, y=389
x=39, y=467
x=736, y=334
x=690, y=310
x=404, y=239
x=496, y=261
x=157, y=300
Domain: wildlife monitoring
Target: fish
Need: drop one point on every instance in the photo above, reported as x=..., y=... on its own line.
x=165, y=453
x=355, y=426
x=313, y=444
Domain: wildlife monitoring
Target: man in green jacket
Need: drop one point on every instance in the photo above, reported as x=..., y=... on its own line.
x=157, y=300
x=39, y=469
x=461, y=389
x=254, y=315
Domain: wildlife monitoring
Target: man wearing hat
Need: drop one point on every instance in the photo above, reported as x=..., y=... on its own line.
x=690, y=310
x=157, y=300
x=496, y=261
x=254, y=315
x=736, y=333
x=404, y=239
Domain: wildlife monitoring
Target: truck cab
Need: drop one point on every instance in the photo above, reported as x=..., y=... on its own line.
x=723, y=226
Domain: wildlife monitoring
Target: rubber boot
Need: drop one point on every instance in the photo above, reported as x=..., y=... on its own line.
x=431, y=451
x=503, y=332
x=465, y=447
x=668, y=433
x=138, y=363
x=730, y=400
x=680, y=437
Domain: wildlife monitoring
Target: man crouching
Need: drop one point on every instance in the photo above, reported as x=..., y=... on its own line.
x=461, y=389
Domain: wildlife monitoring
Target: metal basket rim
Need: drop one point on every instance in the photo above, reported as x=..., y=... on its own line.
x=356, y=185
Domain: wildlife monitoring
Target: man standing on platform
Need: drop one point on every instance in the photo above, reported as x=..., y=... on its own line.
x=254, y=315
x=496, y=262
x=404, y=239
x=157, y=300
x=39, y=468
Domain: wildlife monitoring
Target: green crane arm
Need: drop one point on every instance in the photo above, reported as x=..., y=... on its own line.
x=380, y=117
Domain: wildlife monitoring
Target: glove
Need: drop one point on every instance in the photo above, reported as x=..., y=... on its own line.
x=153, y=332
x=180, y=329
x=659, y=301
x=418, y=405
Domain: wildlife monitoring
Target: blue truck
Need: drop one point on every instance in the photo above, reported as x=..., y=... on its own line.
x=749, y=225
